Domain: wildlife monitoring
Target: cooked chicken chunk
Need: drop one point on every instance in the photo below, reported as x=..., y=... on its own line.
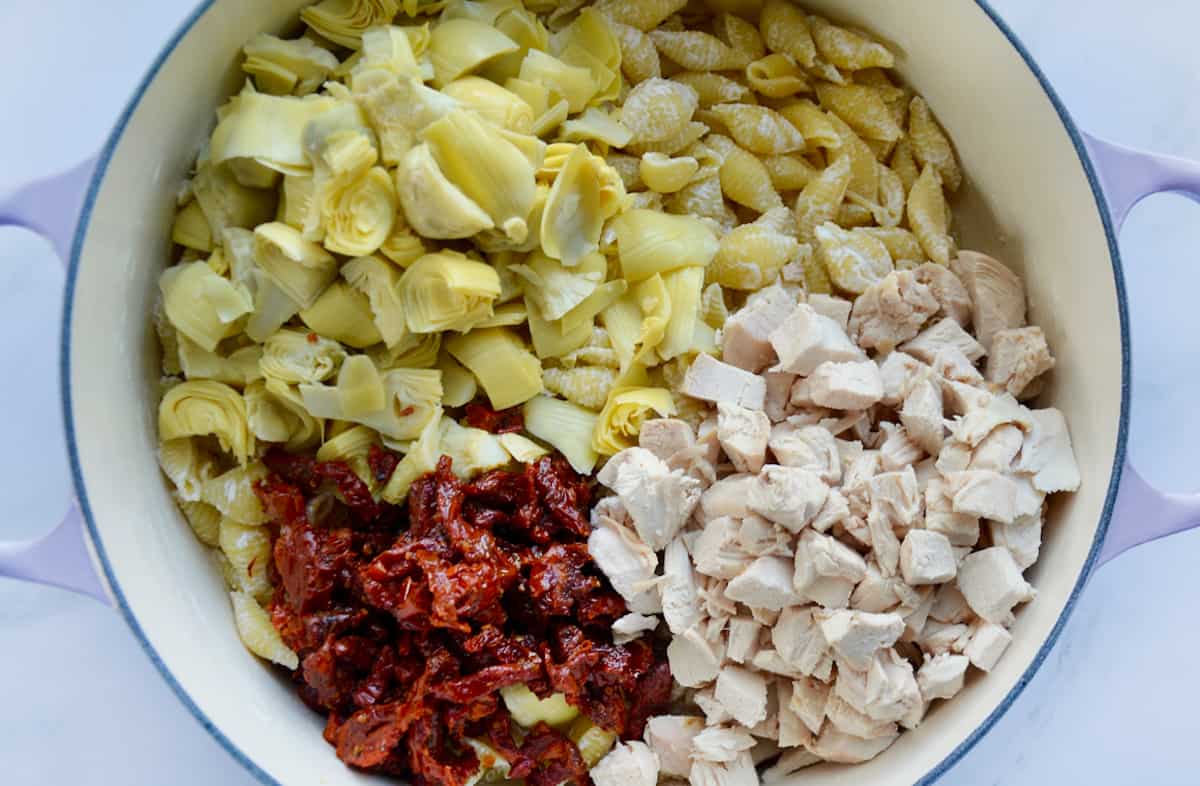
x=743, y=434
x=926, y=558
x=745, y=342
x=983, y=493
x=808, y=447
x=779, y=394
x=847, y=719
x=835, y=308
x=659, y=500
x=628, y=563
x=891, y=311
x=739, y=772
x=940, y=336
x=692, y=659
x=1047, y=453
x=948, y=290
x=992, y=584
x=743, y=639
x=942, y=676
x=717, y=552
x=961, y=529
x=670, y=737
x=744, y=694
x=729, y=496
x=632, y=626
x=766, y=583
x=846, y=386
x=708, y=379
x=664, y=437
x=998, y=449
x=826, y=570
x=899, y=371
x=809, y=697
x=1022, y=538
x=799, y=642
x=1018, y=357
x=856, y=636
x=680, y=599
x=922, y=415
x=997, y=293
x=988, y=643
x=837, y=746
x=789, y=496
x=627, y=764
x=807, y=339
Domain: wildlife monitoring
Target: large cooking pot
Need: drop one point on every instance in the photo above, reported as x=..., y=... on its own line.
x=1042, y=196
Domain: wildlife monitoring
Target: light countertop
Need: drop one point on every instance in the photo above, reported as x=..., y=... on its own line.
x=1113, y=702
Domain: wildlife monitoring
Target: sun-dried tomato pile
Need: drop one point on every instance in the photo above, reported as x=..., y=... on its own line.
x=408, y=620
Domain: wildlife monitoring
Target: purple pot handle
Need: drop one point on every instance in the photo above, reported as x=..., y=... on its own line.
x=1127, y=176
x=63, y=558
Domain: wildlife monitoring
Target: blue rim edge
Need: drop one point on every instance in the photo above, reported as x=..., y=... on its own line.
x=938, y=771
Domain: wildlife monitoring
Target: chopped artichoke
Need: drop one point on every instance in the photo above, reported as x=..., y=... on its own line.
x=202, y=407
x=239, y=368
x=493, y=768
x=596, y=125
x=267, y=129
x=344, y=21
x=380, y=282
x=528, y=710
x=508, y=372
x=359, y=388
x=576, y=208
x=523, y=27
x=623, y=321
x=301, y=268
x=523, y=449
x=684, y=288
x=359, y=214
x=462, y=46
x=276, y=413
x=227, y=203
x=281, y=67
x=411, y=399
x=574, y=83
x=294, y=357
x=551, y=340
x=353, y=446
x=414, y=351
x=399, y=108
x=202, y=305
x=623, y=415
x=390, y=48
x=650, y=242
x=447, y=291
x=272, y=308
x=494, y=103
x=459, y=387
x=555, y=289
x=471, y=450
x=586, y=312
x=421, y=459
x=434, y=206
x=564, y=426
x=343, y=314
x=191, y=229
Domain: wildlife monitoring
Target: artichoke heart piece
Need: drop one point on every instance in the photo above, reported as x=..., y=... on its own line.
x=353, y=446
x=191, y=229
x=411, y=398
x=202, y=407
x=359, y=214
x=272, y=308
x=552, y=339
x=390, y=48
x=433, y=205
x=624, y=413
x=576, y=208
x=593, y=305
x=528, y=710
x=523, y=27
x=398, y=108
x=343, y=314
x=462, y=46
x=276, y=414
x=508, y=315
x=301, y=268
x=593, y=742
x=565, y=427
x=598, y=125
x=344, y=21
x=654, y=301
x=202, y=305
x=292, y=356
x=459, y=387
x=415, y=351
x=240, y=367
x=421, y=459
x=488, y=168
x=684, y=288
x=227, y=203
x=508, y=372
x=650, y=242
x=359, y=387
x=523, y=449
x=281, y=67
x=447, y=291
x=555, y=289
x=575, y=84
x=471, y=450
x=379, y=281
x=267, y=129
x=590, y=41
x=494, y=103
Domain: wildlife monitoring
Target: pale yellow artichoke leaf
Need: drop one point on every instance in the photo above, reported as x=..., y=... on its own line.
x=203, y=407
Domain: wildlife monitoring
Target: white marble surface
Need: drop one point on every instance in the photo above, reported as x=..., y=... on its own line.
x=1113, y=703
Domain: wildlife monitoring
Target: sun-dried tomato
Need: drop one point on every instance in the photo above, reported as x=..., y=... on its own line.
x=281, y=501
x=550, y=759
x=355, y=493
x=561, y=496
x=312, y=563
x=557, y=578
x=506, y=421
x=295, y=468
x=651, y=697
x=382, y=463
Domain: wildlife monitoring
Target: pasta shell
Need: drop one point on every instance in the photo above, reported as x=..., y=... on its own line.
x=667, y=175
x=639, y=55
x=204, y=519
x=927, y=216
x=855, y=260
x=862, y=109
x=759, y=129
x=186, y=465
x=785, y=29
x=744, y=178
x=864, y=168
x=821, y=199
x=257, y=632
x=713, y=88
x=659, y=109
x=931, y=146
x=849, y=49
x=789, y=173
x=585, y=386
x=776, y=76
x=904, y=165
x=813, y=124
x=248, y=549
x=901, y=244
x=641, y=14
x=752, y=255
x=741, y=36
x=696, y=50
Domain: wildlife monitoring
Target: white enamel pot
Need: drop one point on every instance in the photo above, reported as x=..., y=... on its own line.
x=1042, y=196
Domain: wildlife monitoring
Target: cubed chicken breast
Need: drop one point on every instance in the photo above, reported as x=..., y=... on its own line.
x=807, y=339
x=708, y=379
x=997, y=293
x=1018, y=356
x=891, y=311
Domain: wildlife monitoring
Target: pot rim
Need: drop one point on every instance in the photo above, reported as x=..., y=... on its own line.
x=258, y=772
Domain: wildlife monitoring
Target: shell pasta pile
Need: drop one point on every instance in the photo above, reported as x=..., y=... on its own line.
x=418, y=218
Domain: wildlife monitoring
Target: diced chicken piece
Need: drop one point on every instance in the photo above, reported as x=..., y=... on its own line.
x=996, y=292
x=766, y=583
x=658, y=500
x=846, y=719
x=627, y=764
x=713, y=599
x=799, y=642
x=988, y=643
x=1029, y=502
x=721, y=744
x=942, y=676
x=948, y=290
x=789, y=496
x=791, y=730
x=761, y=538
x=962, y=398
x=716, y=552
x=977, y=424
x=952, y=364
x=899, y=371
x=779, y=394
x=706, y=435
x=744, y=694
x=692, y=659
x=1022, y=538
x=897, y=496
x=885, y=546
x=739, y=772
x=923, y=417
x=992, y=584
x=808, y=701
x=670, y=737
x=899, y=449
x=1047, y=453
x=664, y=437
x=807, y=447
x=836, y=510
x=628, y=563
x=708, y=379
x=743, y=639
x=925, y=558
x=955, y=457
x=853, y=385
x=826, y=570
x=998, y=449
x=787, y=765
x=940, y=638
x=891, y=688
x=729, y=496
x=743, y=434
x=917, y=612
x=835, y=308
x=807, y=339
x=837, y=746
x=770, y=661
x=874, y=593
x=983, y=493
x=940, y=335
x=680, y=601
x=632, y=626
x=891, y=311
x=1018, y=357
x=949, y=605
x=746, y=342
x=856, y=636
x=714, y=711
